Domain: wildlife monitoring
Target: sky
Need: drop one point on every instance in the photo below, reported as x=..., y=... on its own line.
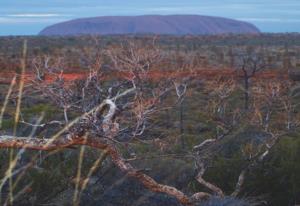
x=28, y=17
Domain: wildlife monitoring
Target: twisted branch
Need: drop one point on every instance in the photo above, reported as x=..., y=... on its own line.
x=95, y=142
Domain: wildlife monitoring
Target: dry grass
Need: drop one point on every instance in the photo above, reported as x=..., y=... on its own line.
x=12, y=159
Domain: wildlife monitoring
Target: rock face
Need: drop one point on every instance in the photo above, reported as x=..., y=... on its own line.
x=151, y=24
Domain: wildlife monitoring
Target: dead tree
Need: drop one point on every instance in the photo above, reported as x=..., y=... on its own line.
x=117, y=117
x=266, y=97
x=219, y=91
x=253, y=154
x=180, y=91
x=116, y=113
x=248, y=64
x=182, y=64
x=41, y=65
x=289, y=104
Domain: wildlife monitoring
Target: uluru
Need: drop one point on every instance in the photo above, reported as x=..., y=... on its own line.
x=151, y=24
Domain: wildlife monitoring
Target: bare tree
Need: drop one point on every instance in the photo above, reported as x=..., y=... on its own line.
x=184, y=67
x=113, y=113
x=118, y=117
x=289, y=103
x=267, y=103
x=219, y=90
x=266, y=98
x=248, y=64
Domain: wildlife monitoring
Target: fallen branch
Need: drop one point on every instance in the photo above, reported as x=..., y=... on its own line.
x=95, y=142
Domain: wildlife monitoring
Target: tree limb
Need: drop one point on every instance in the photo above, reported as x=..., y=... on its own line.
x=96, y=142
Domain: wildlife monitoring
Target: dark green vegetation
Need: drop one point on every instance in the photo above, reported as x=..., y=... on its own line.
x=212, y=107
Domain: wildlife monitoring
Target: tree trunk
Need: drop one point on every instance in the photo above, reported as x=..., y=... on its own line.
x=246, y=94
x=66, y=114
x=181, y=127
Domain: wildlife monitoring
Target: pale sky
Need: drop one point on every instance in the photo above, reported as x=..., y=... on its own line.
x=28, y=17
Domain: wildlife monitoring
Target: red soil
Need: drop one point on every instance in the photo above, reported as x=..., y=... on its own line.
x=157, y=75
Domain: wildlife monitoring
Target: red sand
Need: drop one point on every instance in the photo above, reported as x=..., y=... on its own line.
x=156, y=75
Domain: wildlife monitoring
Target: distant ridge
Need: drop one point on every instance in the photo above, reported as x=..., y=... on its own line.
x=151, y=24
